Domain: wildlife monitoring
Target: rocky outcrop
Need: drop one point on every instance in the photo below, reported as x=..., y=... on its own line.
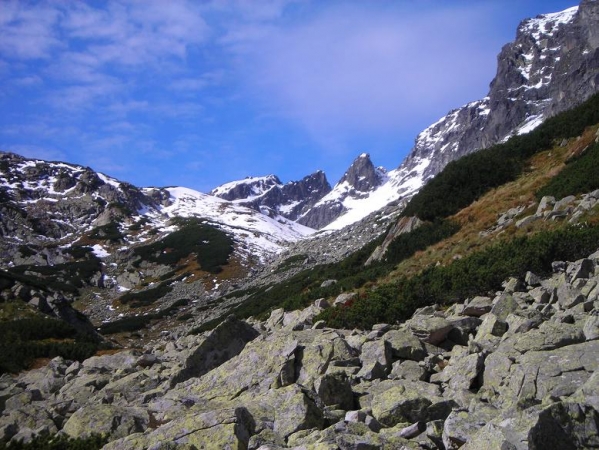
x=515, y=370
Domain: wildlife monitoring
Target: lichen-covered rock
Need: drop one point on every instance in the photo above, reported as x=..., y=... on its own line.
x=111, y=420
x=218, y=429
x=401, y=401
x=218, y=346
x=376, y=360
x=463, y=369
x=404, y=345
x=461, y=424
x=478, y=306
x=431, y=329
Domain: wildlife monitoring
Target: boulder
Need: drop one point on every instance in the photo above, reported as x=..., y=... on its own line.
x=463, y=369
x=376, y=360
x=408, y=401
x=404, y=345
x=219, y=428
x=477, y=306
x=431, y=329
x=461, y=424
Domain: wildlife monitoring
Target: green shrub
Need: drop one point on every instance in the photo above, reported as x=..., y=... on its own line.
x=405, y=245
x=478, y=274
x=135, y=323
x=211, y=246
x=146, y=297
x=581, y=175
x=23, y=340
x=465, y=180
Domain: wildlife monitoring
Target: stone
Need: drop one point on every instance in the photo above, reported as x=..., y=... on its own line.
x=219, y=428
x=524, y=222
x=328, y=283
x=376, y=360
x=590, y=328
x=463, y=369
x=335, y=389
x=460, y=425
x=583, y=268
x=404, y=345
x=546, y=203
x=124, y=360
x=531, y=279
x=114, y=421
x=218, y=346
x=504, y=305
x=408, y=370
x=344, y=299
x=406, y=401
x=478, y=306
x=463, y=328
x=433, y=330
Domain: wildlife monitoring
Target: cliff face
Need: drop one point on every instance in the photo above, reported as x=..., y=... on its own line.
x=552, y=65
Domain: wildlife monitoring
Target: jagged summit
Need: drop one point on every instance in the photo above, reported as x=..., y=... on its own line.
x=271, y=197
x=362, y=176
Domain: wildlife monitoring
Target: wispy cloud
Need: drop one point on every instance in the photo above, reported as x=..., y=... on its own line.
x=354, y=68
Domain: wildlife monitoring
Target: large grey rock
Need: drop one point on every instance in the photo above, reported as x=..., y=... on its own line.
x=461, y=424
x=404, y=345
x=463, y=369
x=335, y=389
x=478, y=306
x=218, y=346
x=376, y=359
x=431, y=329
x=408, y=401
x=562, y=425
x=220, y=428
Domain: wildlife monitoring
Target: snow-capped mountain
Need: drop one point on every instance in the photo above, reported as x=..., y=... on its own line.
x=271, y=197
x=552, y=65
x=44, y=202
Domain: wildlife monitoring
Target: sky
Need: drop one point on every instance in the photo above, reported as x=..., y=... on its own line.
x=202, y=92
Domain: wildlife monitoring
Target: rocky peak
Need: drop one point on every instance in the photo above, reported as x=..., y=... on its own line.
x=362, y=175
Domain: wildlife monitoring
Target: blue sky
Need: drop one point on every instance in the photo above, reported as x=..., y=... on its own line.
x=199, y=93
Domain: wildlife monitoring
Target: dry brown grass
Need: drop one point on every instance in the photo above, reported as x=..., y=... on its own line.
x=484, y=212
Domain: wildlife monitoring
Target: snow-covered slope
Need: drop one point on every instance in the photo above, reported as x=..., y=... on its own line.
x=260, y=234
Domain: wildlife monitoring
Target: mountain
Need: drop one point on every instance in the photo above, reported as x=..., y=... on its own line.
x=78, y=234
x=273, y=198
x=552, y=65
